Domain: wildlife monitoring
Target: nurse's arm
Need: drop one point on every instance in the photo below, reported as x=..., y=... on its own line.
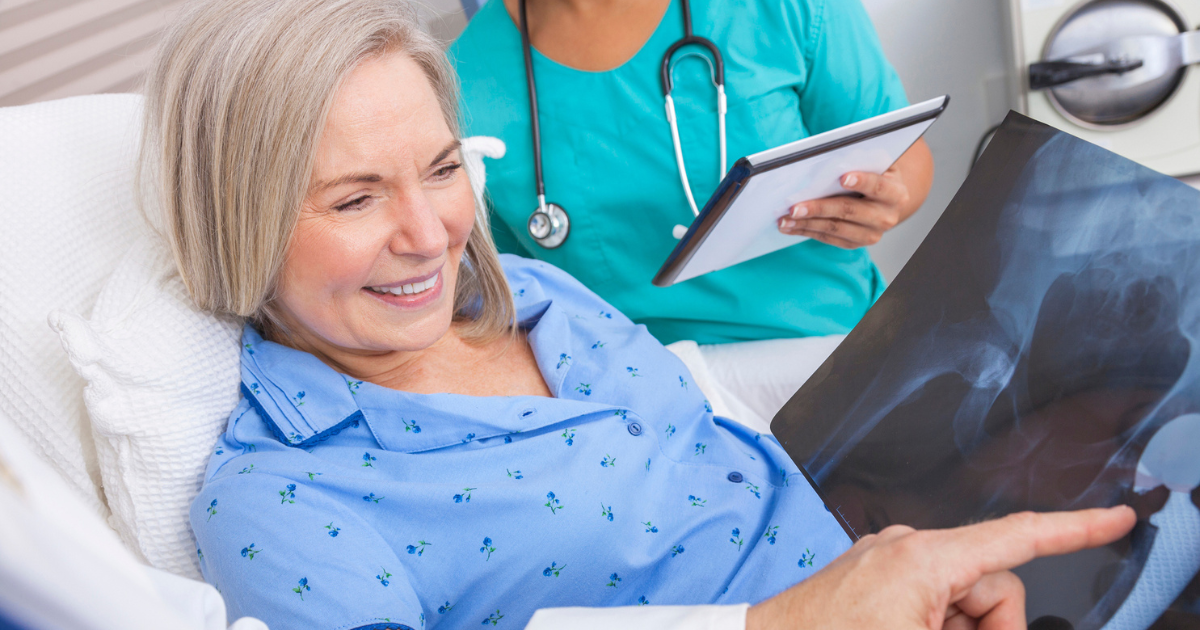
x=887, y=200
x=904, y=579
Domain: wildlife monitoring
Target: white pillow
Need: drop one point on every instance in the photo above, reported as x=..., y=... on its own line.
x=67, y=211
x=162, y=379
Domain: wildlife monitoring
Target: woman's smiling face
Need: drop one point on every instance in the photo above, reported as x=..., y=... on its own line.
x=372, y=265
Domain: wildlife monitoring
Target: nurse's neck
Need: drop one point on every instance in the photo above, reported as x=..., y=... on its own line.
x=590, y=35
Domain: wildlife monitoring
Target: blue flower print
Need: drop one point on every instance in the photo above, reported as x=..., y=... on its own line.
x=249, y=448
x=212, y=509
x=301, y=587
x=608, y=461
x=708, y=406
x=515, y=474
x=250, y=552
x=465, y=496
x=676, y=550
x=569, y=437
x=354, y=385
x=597, y=345
x=806, y=559
x=367, y=459
x=288, y=494
x=770, y=534
x=254, y=389
x=410, y=426
x=642, y=601
x=753, y=489
x=487, y=548
x=605, y=315
x=737, y=538
x=249, y=347
x=383, y=576
x=647, y=464
x=419, y=548
x=519, y=293
x=493, y=618
x=606, y=512
x=470, y=436
x=700, y=448
x=682, y=383
x=697, y=501
x=563, y=359
x=246, y=470
x=650, y=528
x=372, y=498
x=219, y=451
x=613, y=580
x=294, y=438
x=333, y=530
x=585, y=389
x=670, y=431
x=445, y=608
x=632, y=371
x=553, y=503
x=298, y=399
x=553, y=569
x=422, y=620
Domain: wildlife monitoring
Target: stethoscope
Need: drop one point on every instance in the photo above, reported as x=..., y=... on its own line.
x=549, y=225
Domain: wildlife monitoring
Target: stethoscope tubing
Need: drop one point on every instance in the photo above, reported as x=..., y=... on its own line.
x=555, y=216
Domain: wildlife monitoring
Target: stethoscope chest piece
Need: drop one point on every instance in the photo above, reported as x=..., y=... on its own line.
x=549, y=225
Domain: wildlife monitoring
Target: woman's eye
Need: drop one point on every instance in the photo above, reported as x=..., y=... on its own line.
x=446, y=172
x=353, y=204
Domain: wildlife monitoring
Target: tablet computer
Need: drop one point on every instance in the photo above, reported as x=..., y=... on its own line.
x=740, y=220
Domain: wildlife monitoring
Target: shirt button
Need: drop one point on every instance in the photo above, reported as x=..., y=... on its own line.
x=735, y=477
x=635, y=428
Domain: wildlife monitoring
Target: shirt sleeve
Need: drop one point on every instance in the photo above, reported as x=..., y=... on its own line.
x=292, y=556
x=849, y=78
x=641, y=618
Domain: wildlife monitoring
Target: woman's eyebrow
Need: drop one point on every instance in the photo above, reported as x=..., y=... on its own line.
x=450, y=148
x=350, y=178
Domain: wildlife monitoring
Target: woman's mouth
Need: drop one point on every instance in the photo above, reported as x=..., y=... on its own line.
x=412, y=288
x=409, y=295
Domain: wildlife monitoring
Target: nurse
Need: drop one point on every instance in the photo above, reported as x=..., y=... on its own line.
x=792, y=68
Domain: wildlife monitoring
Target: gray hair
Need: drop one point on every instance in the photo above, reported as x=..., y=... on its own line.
x=235, y=104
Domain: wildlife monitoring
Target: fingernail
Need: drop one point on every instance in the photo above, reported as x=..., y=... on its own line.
x=800, y=211
x=787, y=224
x=849, y=180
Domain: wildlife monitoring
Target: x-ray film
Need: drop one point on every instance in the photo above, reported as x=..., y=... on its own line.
x=1037, y=353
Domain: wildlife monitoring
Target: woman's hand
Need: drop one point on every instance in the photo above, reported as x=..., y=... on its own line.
x=849, y=221
x=902, y=579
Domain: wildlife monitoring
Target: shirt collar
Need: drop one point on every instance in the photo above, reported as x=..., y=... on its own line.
x=305, y=401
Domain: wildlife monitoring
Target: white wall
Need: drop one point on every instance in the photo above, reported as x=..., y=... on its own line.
x=955, y=47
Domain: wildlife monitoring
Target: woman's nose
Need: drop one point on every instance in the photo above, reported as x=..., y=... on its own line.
x=417, y=228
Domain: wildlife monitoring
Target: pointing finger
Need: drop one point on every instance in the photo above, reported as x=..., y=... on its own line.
x=1011, y=541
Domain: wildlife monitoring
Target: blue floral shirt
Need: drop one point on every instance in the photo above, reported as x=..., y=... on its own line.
x=333, y=503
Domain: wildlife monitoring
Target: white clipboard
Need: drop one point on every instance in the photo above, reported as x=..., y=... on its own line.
x=740, y=220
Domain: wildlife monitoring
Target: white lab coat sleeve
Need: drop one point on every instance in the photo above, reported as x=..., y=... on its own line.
x=642, y=618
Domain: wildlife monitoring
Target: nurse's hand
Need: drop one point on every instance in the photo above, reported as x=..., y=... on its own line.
x=903, y=579
x=850, y=222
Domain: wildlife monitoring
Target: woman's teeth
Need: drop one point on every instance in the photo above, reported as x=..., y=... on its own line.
x=409, y=289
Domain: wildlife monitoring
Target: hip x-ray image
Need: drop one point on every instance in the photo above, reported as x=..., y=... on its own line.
x=1038, y=353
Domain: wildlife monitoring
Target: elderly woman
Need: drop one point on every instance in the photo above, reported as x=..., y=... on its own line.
x=431, y=433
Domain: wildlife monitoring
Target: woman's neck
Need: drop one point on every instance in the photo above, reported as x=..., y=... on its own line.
x=501, y=367
x=590, y=35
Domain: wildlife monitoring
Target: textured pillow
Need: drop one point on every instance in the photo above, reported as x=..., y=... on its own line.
x=67, y=210
x=162, y=378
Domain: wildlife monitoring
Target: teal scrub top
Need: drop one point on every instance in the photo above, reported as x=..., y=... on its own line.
x=793, y=68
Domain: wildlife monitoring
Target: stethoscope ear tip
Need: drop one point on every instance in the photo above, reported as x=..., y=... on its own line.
x=679, y=232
